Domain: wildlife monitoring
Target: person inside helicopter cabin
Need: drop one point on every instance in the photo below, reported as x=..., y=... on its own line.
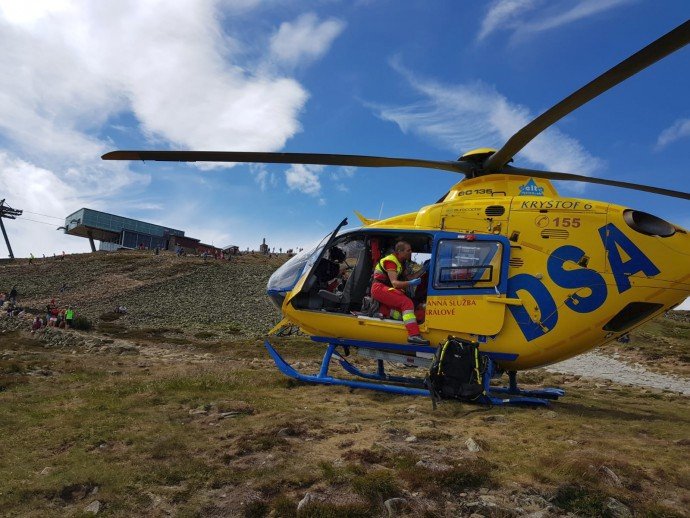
x=389, y=287
x=328, y=271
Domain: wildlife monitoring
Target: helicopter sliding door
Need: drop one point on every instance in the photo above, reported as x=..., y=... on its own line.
x=468, y=274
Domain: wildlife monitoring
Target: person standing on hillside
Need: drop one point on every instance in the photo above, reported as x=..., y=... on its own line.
x=31, y=258
x=69, y=317
x=36, y=325
x=13, y=295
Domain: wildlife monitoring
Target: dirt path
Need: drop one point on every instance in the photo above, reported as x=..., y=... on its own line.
x=595, y=365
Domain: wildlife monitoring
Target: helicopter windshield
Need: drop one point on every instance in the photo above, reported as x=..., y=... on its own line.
x=285, y=277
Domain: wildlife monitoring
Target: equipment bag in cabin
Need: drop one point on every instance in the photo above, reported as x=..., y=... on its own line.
x=456, y=372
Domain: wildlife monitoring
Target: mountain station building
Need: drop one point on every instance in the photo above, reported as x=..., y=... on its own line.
x=116, y=232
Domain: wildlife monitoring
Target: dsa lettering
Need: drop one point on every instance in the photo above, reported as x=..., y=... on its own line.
x=586, y=300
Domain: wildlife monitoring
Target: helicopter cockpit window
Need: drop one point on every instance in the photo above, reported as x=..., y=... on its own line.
x=467, y=264
x=285, y=277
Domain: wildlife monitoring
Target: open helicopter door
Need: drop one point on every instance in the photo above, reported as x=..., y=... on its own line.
x=468, y=280
x=305, y=281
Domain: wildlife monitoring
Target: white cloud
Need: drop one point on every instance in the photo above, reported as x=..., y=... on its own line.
x=304, y=178
x=463, y=117
x=304, y=40
x=74, y=71
x=263, y=177
x=678, y=130
x=502, y=13
x=43, y=193
x=523, y=19
x=345, y=172
x=340, y=176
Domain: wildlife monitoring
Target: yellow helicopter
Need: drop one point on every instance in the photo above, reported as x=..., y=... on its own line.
x=532, y=277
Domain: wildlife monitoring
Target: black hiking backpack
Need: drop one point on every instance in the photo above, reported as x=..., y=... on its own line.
x=456, y=372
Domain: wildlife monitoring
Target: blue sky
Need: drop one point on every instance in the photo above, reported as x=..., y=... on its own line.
x=380, y=77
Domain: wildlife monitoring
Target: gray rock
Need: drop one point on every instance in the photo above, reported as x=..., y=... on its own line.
x=472, y=445
x=308, y=498
x=484, y=509
x=433, y=466
x=93, y=508
x=225, y=415
x=535, y=503
x=394, y=506
x=618, y=510
x=610, y=476
x=411, y=438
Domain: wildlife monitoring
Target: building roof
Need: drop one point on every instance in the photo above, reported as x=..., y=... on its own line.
x=105, y=227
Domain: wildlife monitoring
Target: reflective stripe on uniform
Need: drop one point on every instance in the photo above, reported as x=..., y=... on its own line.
x=408, y=316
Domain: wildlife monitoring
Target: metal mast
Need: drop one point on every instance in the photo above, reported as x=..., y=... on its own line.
x=7, y=212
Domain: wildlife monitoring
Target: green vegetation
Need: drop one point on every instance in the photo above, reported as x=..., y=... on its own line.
x=81, y=323
x=178, y=434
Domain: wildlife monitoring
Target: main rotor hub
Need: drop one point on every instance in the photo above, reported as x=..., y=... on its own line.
x=477, y=156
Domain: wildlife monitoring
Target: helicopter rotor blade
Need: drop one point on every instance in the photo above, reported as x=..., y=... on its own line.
x=660, y=48
x=290, y=158
x=552, y=175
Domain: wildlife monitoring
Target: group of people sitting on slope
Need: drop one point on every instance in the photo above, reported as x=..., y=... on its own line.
x=9, y=304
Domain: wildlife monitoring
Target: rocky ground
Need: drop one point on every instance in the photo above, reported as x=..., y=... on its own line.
x=189, y=293
x=600, y=366
x=175, y=409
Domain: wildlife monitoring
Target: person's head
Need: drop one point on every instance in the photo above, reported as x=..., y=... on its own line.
x=403, y=251
x=337, y=254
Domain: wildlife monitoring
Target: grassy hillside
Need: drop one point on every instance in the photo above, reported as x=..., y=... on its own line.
x=159, y=291
x=176, y=409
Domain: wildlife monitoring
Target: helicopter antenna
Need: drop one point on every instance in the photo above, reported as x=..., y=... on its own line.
x=8, y=212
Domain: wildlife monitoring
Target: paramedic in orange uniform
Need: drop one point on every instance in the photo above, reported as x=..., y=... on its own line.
x=388, y=288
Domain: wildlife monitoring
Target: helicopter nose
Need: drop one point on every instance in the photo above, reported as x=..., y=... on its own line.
x=285, y=278
x=662, y=256
x=277, y=297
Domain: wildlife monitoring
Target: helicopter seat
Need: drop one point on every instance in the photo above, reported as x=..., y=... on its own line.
x=361, y=280
x=355, y=286
x=333, y=296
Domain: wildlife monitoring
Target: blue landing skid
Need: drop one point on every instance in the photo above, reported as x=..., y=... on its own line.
x=512, y=389
x=383, y=382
